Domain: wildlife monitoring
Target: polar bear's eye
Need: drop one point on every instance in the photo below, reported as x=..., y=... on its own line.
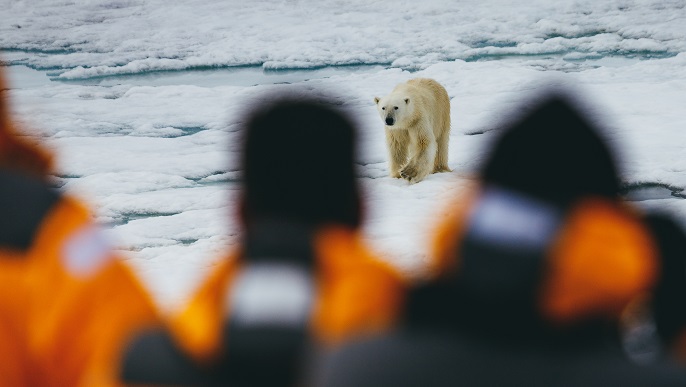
x=396, y=108
x=383, y=108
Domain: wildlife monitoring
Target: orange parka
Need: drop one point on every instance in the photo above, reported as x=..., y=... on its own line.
x=67, y=303
x=355, y=294
x=598, y=236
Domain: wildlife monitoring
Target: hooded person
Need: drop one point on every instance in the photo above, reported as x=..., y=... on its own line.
x=531, y=272
x=302, y=273
x=67, y=301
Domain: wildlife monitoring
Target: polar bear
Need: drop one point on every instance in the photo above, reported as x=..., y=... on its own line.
x=416, y=115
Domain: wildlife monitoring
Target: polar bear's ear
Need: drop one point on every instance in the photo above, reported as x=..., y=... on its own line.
x=407, y=100
x=376, y=100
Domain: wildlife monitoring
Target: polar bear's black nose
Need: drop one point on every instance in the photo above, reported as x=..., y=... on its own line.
x=389, y=121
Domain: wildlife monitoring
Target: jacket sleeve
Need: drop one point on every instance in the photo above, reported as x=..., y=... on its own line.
x=197, y=329
x=357, y=293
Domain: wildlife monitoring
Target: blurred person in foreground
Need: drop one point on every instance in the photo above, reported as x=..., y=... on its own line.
x=533, y=269
x=67, y=303
x=302, y=274
x=667, y=304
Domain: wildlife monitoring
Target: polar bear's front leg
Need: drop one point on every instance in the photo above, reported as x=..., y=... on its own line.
x=396, y=141
x=421, y=162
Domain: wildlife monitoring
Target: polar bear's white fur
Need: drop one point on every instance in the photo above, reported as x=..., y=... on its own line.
x=416, y=115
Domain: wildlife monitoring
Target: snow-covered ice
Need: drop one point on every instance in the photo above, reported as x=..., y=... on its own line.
x=141, y=101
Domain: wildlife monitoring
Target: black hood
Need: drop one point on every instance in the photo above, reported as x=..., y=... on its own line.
x=554, y=154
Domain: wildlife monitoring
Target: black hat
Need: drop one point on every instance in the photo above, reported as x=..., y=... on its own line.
x=298, y=162
x=553, y=153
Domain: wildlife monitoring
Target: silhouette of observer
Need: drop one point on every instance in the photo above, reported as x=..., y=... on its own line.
x=302, y=276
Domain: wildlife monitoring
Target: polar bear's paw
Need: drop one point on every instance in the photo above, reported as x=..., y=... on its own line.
x=412, y=174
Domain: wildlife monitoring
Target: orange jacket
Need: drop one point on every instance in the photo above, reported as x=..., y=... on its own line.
x=597, y=264
x=67, y=302
x=355, y=294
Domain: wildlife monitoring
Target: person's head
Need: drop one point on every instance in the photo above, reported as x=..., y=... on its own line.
x=555, y=155
x=298, y=163
x=17, y=153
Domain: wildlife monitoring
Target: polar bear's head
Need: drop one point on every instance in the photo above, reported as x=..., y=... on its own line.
x=394, y=110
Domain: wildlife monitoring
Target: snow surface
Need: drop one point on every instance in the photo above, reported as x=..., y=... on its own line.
x=141, y=101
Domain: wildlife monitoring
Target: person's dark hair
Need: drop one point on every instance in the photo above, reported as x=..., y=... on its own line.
x=298, y=163
x=555, y=154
